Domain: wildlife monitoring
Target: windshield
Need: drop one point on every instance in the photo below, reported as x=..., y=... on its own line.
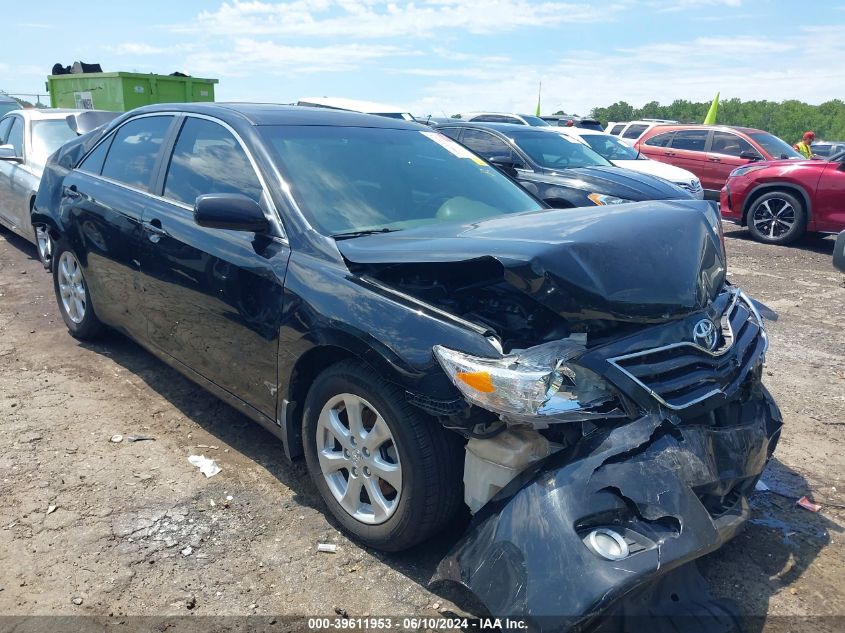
x=534, y=121
x=554, y=151
x=610, y=147
x=348, y=179
x=775, y=147
x=8, y=106
x=50, y=135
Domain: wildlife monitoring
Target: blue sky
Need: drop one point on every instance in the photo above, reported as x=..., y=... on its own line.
x=446, y=56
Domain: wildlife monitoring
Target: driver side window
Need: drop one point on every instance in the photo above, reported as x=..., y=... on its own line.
x=5, y=124
x=15, y=138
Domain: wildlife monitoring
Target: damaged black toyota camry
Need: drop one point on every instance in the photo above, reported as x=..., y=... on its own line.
x=427, y=334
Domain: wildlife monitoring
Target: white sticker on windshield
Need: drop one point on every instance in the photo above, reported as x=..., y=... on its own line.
x=452, y=146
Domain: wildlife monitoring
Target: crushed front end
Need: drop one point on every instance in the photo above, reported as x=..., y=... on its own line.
x=649, y=444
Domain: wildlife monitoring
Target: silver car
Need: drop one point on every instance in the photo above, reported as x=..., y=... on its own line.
x=27, y=138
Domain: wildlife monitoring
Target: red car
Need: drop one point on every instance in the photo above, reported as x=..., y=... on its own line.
x=780, y=200
x=711, y=152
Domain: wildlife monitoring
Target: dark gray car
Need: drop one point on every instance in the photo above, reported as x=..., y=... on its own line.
x=562, y=172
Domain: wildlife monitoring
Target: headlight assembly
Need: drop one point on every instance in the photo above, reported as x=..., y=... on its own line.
x=534, y=382
x=603, y=199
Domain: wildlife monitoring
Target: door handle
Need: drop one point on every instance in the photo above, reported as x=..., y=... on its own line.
x=670, y=154
x=71, y=192
x=154, y=230
x=714, y=160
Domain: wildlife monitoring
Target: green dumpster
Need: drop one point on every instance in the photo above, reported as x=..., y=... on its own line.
x=120, y=91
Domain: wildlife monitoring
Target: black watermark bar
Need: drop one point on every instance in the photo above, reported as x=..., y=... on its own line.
x=376, y=624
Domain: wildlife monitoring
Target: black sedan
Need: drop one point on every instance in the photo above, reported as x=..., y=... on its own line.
x=560, y=171
x=430, y=336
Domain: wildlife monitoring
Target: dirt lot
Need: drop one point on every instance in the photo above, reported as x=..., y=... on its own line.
x=90, y=526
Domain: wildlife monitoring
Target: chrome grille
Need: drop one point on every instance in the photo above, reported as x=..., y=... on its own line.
x=683, y=374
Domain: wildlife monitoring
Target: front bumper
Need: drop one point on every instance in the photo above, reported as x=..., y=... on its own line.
x=728, y=206
x=675, y=490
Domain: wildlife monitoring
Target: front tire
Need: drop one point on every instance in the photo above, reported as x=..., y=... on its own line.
x=777, y=217
x=44, y=244
x=73, y=296
x=387, y=472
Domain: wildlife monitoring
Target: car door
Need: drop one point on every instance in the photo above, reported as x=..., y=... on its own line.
x=828, y=207
x=213, y=297
x=687, y=150
x=724, y=155
x=103, y=201
x=11, y=199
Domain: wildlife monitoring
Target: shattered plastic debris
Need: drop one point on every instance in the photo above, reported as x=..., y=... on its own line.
x=187, y=551
x=331, y=548
x=116, y=438
x=805, y=503
x=139, y=438
x=51, y=509
x=207, y=466
x=761, y=487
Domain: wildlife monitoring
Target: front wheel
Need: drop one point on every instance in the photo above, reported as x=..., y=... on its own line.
x=777, y=217
x=388, y=473
x=45, y=245
x=73, y=296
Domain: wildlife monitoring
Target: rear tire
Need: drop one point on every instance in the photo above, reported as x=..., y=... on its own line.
x=392, y=438
x=73, y=296
x=777, y=217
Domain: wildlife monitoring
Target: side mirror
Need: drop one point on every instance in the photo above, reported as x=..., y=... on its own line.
x=839, y=252
x=505, y=164
x=749, y=155
x=7, y=153
x=231, y=211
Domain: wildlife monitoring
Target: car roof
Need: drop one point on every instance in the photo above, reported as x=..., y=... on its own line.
x=505, y=129
x=276, y=114
x=666, y=127
x=46, y=114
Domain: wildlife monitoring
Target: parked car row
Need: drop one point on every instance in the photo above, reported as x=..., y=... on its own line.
x=390, y=303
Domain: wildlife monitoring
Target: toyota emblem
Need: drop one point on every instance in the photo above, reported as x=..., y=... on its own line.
x=704, y=334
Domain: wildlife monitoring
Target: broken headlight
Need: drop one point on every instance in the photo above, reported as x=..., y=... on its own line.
x=538, y=381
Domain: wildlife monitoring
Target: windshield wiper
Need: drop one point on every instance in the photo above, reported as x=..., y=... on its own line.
x=349, y=234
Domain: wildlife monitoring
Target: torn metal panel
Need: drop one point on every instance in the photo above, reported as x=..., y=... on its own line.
x=674, y=491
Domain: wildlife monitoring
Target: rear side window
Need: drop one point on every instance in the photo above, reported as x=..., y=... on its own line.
x=617, y=129
x=93, y=163
x=134, y=150
x=730, y=144
x=208, y=159
x=690, y=140
x=660, y=140
x=635, y=131
x=486, y=145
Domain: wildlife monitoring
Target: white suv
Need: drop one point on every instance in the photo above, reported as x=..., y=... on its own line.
x=630, y=131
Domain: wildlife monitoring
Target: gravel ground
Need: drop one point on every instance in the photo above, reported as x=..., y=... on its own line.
x=97, y=527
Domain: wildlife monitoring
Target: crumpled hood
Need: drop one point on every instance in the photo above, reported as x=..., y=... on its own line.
x=643, y=262
x=616, y=181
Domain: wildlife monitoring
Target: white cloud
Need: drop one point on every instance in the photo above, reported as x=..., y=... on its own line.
x=249, y=55
x=687, y=5
x=750, y=67
x=141, y=49
x=371, y=19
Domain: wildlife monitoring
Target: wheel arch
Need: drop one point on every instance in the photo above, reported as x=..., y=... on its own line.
x=769, y=187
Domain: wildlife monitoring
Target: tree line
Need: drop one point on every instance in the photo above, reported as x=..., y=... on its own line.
x=788, y=119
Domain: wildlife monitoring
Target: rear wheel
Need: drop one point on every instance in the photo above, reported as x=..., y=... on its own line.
x=73, y=296
x=388, y=473
x=776, y=217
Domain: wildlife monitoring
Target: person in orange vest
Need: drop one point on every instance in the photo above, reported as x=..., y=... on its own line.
x=803, y=146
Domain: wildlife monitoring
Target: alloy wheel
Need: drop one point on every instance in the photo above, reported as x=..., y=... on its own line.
x=44, y=243
x=774, y=217
x=359, y=459
x=72, y=287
